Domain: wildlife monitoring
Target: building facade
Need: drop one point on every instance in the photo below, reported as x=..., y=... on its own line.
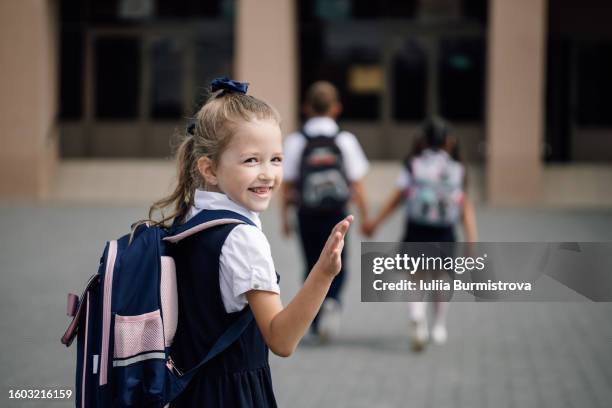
x=523, y=82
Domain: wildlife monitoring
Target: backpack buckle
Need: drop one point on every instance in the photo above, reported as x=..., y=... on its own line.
x=172, y=367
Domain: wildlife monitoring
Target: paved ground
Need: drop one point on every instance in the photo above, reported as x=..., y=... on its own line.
x=498, y=355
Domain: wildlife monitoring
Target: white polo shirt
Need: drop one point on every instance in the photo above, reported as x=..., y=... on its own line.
x=246, y=259
x=355, y=161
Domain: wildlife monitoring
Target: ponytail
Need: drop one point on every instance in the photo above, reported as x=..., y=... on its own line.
x=182, y=196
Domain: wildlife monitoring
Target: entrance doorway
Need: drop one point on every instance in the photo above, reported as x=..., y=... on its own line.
x=392, y=73
x=141, y=83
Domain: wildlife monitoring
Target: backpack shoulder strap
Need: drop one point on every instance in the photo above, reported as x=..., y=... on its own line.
x=203, y=220
x=226, y=339
x=178, y=384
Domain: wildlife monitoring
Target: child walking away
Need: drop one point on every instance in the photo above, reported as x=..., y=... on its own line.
x=323, y=170
x=432, y=184
x=231, y=162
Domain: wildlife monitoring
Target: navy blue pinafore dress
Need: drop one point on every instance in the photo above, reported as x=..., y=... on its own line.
x=240, y=375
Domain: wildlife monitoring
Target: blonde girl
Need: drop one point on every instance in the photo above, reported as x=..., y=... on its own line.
x=231, y=160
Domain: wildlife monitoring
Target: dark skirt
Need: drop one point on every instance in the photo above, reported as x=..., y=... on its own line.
x=415, y=232
x=244, y=389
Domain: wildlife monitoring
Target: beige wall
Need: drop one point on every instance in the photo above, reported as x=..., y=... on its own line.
x=515, y=117
x=28, y=102
x=266, y=54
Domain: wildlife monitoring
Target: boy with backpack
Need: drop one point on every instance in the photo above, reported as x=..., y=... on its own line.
x=323, y=168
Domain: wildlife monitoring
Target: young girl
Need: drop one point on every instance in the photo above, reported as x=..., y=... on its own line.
x=433, y=185
x=231, y=159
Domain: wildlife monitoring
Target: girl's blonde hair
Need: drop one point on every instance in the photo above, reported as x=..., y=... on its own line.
x=215, y=123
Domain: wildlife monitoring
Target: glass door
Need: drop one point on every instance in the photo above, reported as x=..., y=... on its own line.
x=142, y=83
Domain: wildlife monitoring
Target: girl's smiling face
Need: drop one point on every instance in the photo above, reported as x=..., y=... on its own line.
x=250, y=168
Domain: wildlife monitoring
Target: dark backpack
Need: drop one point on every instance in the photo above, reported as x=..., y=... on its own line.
x=126, y=319
x=323, y=184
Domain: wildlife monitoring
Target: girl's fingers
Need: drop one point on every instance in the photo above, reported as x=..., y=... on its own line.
x=340, y=246
x=333, y=242
x=338, y=233
x=343, y=225
x=338, y=242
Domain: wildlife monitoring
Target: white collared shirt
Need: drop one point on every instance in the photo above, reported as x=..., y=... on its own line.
x=246, y=259
x=355, y=161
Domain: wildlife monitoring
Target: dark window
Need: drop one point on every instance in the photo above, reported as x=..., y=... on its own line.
x=348, y=55
x=195, y=8
x=594, y=83
x=461, y=76
x=357, y=104
x=117, y=81
x=558, y=115
x=71, y=53
x=331, y=10
x=476, y=10
x=409, y=83
x=135, y=11
x=71, y=74
x=214, y=53
x=72, y=11
x=166, y=78
x=103, y=11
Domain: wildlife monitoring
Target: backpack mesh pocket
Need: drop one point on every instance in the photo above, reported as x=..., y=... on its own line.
x=135, y=335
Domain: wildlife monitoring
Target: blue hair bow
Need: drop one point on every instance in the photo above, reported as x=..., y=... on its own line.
x=228, y=85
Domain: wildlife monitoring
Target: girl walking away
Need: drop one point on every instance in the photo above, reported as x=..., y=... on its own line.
x=231, y=161
x=432, y=185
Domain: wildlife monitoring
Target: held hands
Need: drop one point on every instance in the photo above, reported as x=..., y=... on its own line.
x=287, y=229
x=330, y=261
x=368, y=227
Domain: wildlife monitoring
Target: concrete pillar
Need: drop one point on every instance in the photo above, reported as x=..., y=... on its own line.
x=515, y=116
x=266, y=55
x=28, y=101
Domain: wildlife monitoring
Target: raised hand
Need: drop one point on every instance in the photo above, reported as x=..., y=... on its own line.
x=330, y=261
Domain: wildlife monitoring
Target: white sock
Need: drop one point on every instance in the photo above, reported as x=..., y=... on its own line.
x=417, y=311
x=440, y=310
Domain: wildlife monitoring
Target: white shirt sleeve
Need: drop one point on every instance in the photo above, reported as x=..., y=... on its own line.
x=403, y=180
x=292, y=152
x=355, y=160
x=245, y=264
